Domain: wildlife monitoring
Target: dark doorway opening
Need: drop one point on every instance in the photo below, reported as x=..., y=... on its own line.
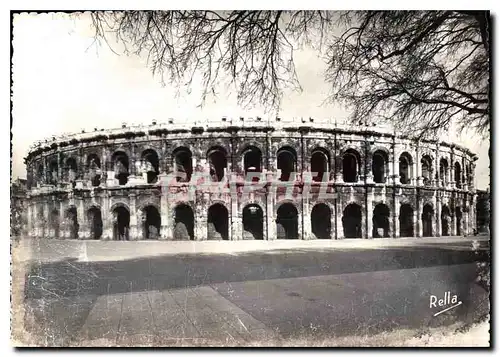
x=320, y=165
x=445, y=221
x=95, y=219
x=406, y=221
x=287, y=159
x=217, y=222
x=350, y=161
x=184, y=223
x=253, y=222
x=54, y=222
x=286, y=222
x=458, y=218
x=151, y=165
x=321, y=221
x=252, y=161
x=381, y=221
x=217, y=159
x=72, y=220
x=183, y=160
x=351, y=221
x=427, y=214
x=121, y=224
x=152, y=222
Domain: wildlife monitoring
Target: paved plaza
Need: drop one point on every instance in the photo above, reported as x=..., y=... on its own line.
x=260, y=296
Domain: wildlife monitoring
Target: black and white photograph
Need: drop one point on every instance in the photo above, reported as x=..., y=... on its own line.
x=251, y=178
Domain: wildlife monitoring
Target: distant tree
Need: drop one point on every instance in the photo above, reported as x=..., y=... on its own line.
x=418, y=70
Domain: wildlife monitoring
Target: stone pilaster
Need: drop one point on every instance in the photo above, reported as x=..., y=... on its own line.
x=396, y=211
x=165, y=233
x=439, y=227
x=369, y=214
x=338, y=220
x=107, y=219
x=270, y=217
x=83, y=232
x=419, y=219
x=134, y=228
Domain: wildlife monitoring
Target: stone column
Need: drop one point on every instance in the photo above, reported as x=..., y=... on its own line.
x=165, y=234
x=338, y=169
x=397, y=207
x=306, y=218
x=201, y=215
x=418, y=219
x=83, y=232
x=369, y=214
x=270, y=218
x=439, y=228
x=397, y=178
x=30, y=220
x=338, y=217
x=63, y=227
x=46, y=226
x=434, y=218
x=368, y=169
x=107, y=219
x=236, y=221
x=134, y=229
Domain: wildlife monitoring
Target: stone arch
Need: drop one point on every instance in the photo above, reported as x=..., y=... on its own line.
x=53, y=171
x=443, y=170
x=405, y=168
x=352, y=221
x=71, y=169
x=94, y=217
x=150, y=221
x=406, y=213
x=286, y=158
x=217, y=161
x=445, y=220
x=183, y=222
x=253, y=221
x=150, y=163
x=217, y=222
x=93, y=163
x=182, y=158
x=380, y=166
x=71, y=218
x=121, y=167
x=427, y=218
x=287, y=226
x=320, y=163
x=252, y=160
x=121, y=221
x=54, y=223
x=426, y=162
x=351, y=164
x=321, y=225
x=381, y=225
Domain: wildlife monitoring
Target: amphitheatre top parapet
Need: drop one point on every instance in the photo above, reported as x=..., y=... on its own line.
x=222, y=123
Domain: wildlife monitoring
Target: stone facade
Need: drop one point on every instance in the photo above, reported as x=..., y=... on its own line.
x=137, y=183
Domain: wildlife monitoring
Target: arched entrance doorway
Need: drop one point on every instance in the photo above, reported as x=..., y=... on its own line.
x=184, y=223
x=54, y=222
x=95, y=219
x=253, y=222
x=286, y=222
x=427, y=214
x=351, y=221
x=381, y=221
x=405, y=221
x=321, y=226
x=445, y=221
x=152, y=222
x=217, y=222
x=72, y=221
x=121, y=223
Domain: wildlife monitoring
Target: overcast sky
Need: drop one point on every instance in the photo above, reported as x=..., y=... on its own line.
x=63, y=83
